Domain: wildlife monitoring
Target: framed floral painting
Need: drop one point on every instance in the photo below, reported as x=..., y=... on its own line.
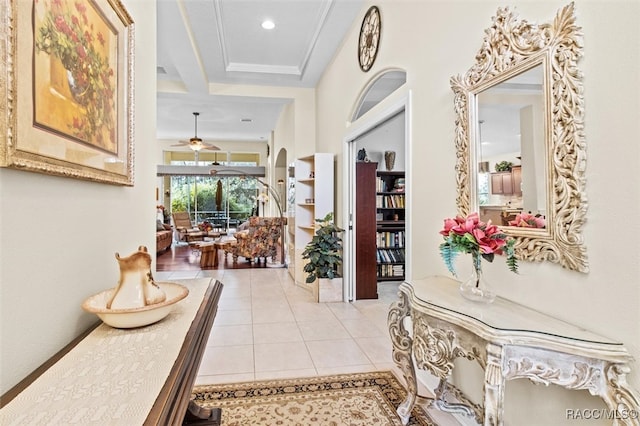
x=67, y=75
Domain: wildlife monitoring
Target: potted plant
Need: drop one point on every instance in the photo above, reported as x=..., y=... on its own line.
x=504, y=166
x=324, y=255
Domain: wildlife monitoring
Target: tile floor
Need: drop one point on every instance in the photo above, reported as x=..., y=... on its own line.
x=269, y=328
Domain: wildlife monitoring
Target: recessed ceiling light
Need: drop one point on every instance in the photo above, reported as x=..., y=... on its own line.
x=268, y=25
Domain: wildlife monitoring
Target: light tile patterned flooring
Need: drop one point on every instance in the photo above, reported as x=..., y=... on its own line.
x=269, y=328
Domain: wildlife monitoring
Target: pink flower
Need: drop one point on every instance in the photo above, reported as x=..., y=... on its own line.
x=488, y=237
x=527, y=220
x=461, y=225
x=60, y=23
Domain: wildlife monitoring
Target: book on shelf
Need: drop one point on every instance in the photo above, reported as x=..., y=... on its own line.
x=390, y=271
x=390, y=201
x=390, y=239
x=390, y=256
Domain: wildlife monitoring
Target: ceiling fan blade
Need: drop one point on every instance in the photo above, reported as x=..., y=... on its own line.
x=195, y=142
x=210, y=147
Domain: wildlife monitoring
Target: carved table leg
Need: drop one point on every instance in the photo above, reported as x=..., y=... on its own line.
x=440, y=402
x=202, y=416
x=494, y=383
x=620, y=399
x=402, y=354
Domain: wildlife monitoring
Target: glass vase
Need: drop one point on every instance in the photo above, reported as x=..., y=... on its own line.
x=476, y=287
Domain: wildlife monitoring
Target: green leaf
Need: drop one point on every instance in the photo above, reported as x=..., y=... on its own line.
x=510, y=251
x=448, y=254
x=324, y=250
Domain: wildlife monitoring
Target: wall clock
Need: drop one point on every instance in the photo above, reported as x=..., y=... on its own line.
x=369, y=38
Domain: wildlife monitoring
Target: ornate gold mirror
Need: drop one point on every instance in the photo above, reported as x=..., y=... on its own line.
x=519, y=136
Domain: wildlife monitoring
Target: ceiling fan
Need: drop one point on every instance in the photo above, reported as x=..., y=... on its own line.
x=215, y=161
x=195, y=143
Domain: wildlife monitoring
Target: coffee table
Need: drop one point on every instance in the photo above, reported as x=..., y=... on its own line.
x=208, y=254
x=209, y=250
x=225, y=244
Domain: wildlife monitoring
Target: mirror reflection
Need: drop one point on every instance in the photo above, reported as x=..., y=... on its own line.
x=511, y=152
x=521, y=103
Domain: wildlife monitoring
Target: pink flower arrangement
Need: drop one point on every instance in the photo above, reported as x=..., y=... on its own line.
x=489, y=238
x=482, y=240
x=527, y=220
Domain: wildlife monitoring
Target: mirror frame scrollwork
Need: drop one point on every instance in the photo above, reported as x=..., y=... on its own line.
x=510, y=46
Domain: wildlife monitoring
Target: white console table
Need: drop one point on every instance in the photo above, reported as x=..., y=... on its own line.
x=509, y=341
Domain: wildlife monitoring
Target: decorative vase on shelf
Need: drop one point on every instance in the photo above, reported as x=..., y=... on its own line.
x=389, y=159
x=476, y=287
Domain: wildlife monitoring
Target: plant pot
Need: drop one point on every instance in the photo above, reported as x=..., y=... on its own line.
x=329, y=290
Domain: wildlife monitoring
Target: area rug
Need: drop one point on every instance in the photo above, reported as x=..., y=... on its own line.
x=365, y=399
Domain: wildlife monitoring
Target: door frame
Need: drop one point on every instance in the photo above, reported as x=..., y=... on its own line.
x=395, y=103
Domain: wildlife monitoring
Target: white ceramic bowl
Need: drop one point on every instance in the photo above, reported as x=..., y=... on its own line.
x=135, y=317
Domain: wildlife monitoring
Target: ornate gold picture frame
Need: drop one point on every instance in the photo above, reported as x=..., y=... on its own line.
x=67, y=73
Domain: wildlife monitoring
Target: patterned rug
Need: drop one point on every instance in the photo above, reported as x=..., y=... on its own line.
x=365, y=399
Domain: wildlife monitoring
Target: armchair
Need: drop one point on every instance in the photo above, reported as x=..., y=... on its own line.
x=261, y=239
x=185, y=229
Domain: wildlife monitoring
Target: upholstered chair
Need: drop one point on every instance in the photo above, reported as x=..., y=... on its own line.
x=261, y=239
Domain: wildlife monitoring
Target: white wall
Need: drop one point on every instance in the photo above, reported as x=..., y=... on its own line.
x=387, y=137
x=301, y=110
x=434, y=40
x=284, y=133
x=59, y=236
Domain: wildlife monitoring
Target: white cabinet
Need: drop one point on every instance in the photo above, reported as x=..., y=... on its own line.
x=314, y=199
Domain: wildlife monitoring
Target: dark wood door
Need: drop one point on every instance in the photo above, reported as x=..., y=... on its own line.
x=365, y=232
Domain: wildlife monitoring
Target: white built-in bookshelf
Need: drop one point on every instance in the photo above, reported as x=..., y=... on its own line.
x=314, y=199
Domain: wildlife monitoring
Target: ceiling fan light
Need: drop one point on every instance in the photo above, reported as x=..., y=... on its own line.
x=196, y=144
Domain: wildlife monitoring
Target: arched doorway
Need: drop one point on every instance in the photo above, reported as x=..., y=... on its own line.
x=280, y=178
x=384, y=100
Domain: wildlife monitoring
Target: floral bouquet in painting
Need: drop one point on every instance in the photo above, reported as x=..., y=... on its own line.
x=481, y=240
x=76, y=37
x=527, y=220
